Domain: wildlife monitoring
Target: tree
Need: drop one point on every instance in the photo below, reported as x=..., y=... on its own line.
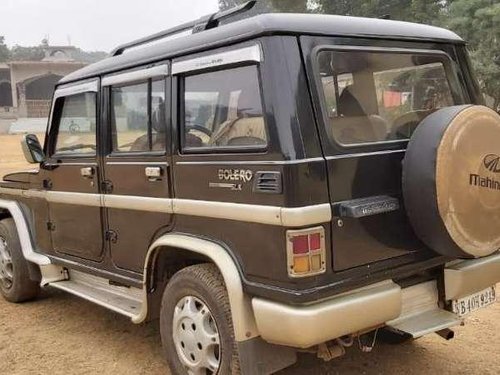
x=19, y=53
x=4, y=50
x=88, y=57
x=478, y=22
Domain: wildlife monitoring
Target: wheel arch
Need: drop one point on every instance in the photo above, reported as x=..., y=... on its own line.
x=14, y=210
x=205, y=250
x=40, y=267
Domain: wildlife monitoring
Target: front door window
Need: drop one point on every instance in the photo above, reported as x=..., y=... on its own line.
x=76, y=123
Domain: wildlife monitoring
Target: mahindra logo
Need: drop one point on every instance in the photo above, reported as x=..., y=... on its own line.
x=492, y=163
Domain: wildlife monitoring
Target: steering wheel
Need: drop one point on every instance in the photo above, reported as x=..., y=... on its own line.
x=199, y=128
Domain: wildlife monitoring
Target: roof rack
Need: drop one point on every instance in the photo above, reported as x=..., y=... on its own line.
x=204, y=23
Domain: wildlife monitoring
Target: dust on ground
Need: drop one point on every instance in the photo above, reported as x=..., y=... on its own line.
x=62, y=334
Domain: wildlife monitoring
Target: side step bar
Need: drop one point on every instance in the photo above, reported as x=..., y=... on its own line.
x=123, y=300
x=421, y=314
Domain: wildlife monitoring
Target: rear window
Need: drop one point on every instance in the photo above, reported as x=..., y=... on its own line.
x=380, y=96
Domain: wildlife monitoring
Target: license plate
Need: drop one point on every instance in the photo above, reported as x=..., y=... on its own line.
x=474, y=302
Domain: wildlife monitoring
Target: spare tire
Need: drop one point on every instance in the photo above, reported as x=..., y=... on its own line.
x=451, y=181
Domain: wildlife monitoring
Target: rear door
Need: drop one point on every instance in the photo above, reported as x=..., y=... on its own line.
x=136, y=184
x=369, y=100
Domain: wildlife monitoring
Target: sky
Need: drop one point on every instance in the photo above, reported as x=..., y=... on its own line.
x=93, y=25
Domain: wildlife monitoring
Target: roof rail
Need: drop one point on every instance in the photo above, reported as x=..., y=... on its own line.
x=204, y=23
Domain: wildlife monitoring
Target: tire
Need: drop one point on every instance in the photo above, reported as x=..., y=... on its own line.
x=15, y=283
x=196, y=297
x=451, y=181
x=74, y=128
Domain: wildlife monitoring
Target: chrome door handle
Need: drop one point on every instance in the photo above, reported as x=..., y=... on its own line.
x=153, y=173
x=87, y=172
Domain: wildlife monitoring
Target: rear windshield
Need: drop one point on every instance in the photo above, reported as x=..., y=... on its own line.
x=374, y=97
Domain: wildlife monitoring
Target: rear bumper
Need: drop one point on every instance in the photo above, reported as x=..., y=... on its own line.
x=463, y=278
x=305, y=326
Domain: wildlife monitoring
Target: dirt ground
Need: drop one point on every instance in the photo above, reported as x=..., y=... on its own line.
x=11, y=156
x=62, y=334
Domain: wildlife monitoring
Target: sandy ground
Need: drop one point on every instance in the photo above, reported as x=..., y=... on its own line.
x=62, y=334
x=11, y=156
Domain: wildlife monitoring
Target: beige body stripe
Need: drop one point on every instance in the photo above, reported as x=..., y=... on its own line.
x=270, y=215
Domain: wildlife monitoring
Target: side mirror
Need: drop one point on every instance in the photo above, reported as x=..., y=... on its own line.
x=33, y=151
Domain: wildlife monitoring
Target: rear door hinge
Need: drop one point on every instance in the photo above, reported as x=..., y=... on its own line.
x=47, y=184
x=111, y=236
x=107, y=187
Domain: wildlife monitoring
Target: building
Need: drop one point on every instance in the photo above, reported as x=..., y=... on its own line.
x=26, y=87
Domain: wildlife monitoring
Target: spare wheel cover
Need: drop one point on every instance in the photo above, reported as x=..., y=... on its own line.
x=451, y=181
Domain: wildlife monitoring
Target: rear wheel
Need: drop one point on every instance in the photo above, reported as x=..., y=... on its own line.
x=196, y=325
x=15, y=283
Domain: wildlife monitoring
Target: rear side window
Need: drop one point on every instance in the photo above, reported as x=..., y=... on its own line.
x=381, y=96
x=223, y=110
x=138, y=117
x=76, y=123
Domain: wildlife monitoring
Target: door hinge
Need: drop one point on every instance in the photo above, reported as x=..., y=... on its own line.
x=111, y=236
x=47, y=184
x=51, y=226
x=107, y=187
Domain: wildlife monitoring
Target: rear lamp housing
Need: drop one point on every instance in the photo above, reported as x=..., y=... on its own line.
x=306, y=253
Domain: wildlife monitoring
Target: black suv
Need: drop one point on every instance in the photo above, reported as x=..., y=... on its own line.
x=264, y=186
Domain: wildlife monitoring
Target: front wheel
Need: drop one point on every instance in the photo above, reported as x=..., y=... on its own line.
x=15, y=283
x=196, y=325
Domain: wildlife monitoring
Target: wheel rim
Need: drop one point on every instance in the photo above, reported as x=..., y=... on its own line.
x=6, y=268
x=196, y=336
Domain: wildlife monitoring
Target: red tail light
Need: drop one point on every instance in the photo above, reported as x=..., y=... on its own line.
x=306, y=252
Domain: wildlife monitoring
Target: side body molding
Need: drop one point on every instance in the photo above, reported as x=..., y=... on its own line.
x=50, y=272
x=244, y=324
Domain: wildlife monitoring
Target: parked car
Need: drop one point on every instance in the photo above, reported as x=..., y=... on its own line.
x=280, y=183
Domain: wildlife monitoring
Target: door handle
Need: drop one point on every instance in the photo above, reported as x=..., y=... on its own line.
x=87, y=172
x=153, y=173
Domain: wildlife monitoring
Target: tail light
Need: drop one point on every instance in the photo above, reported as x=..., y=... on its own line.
x=306, y=252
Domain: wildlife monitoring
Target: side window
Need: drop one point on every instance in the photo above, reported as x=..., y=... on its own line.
x=138, y=117
x=381, y=96
x=75, y=119
x=223, y=109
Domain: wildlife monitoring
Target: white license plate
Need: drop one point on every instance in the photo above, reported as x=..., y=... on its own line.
x=474, y=302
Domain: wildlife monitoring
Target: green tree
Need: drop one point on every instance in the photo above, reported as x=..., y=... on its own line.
x=297, y=6
x=478, y=22
x=19, y=53
x=89, y=57
x=4, y=50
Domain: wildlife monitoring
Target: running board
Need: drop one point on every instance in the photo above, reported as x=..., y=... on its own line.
x=123, y=300
x=421, y=314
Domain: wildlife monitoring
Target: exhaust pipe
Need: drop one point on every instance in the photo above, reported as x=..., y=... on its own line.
x=446, y=333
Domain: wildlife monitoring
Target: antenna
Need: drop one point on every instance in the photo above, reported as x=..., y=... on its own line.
x=204, y=23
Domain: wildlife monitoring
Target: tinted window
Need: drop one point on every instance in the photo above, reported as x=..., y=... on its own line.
x=138, y=117
x=374, y=96
x=76, y=124
x=223, y=110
